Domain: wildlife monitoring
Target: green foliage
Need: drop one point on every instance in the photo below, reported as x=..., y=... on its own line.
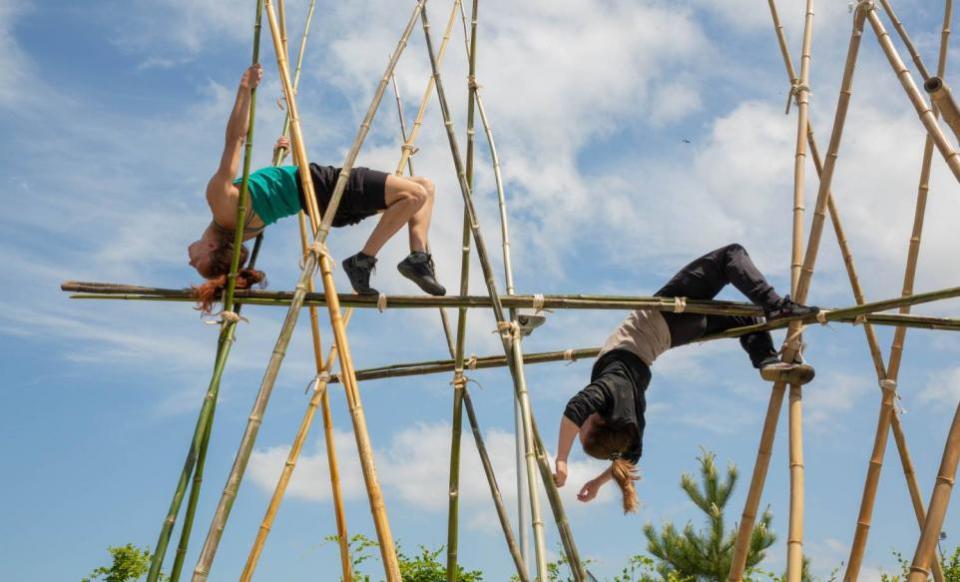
x=423, y=567
x=129, y=564
x=706, y=554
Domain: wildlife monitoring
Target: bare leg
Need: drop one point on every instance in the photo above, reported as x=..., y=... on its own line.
x=405, y=198
x=419, y=225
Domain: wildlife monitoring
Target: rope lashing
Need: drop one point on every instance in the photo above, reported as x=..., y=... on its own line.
x=472, y=362
x=507, y=329
x=227, y=317
x=409, y=147
x=822, y=316
x=321, y=379
x=569, y=357
x=887, y=384
x=381, y=302
x=316, y=248
x=794, y=93
x=860, y=319
x=538, y=302
x=472, y=83
x=679, y=304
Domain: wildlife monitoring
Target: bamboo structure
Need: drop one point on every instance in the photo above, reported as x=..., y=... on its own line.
x=317, y=255
x=939, y=500
x=196, y=456
x=532, y=456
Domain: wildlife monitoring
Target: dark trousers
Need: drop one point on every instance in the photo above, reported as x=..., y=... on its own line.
x=703, y=279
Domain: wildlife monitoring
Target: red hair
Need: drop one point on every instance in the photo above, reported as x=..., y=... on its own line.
x=209, y=292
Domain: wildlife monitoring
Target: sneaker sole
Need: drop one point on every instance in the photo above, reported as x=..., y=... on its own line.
x=426, y=287
x=796, y=375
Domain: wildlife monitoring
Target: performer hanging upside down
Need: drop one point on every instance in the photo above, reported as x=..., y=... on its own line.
x=608, y=415
x=275, y=192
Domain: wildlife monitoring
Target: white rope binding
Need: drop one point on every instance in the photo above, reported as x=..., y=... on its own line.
x=381, y=303
x=679, y=304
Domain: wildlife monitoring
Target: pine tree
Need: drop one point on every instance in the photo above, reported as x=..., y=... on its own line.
x=705, y=555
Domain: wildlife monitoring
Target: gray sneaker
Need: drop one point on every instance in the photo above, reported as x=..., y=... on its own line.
x=773, y=370
x=418, y=267
x=358, y=268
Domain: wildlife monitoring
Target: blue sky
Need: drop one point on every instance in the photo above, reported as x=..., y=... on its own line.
x=111, y=121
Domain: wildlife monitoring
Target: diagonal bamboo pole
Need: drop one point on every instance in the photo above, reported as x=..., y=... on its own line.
x=319, y=395
x=459, y=380
x=196, y=456
x=317, y=254
x=519, y=385
x=741, y=548
x=924, y=111
x=888, y=377
x=802, y=92
x=939, y=500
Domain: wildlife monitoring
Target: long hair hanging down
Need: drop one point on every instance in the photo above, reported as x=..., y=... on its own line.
x=220, y=258
x=608, y=443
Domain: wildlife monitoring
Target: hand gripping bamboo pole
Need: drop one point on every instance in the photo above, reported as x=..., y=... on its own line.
x=888, y=377
x=741, y=548
x=201, y=436
x=924, y=111
x=503, y=325
x=802, y=93
x=939, y=500
x=317, y=254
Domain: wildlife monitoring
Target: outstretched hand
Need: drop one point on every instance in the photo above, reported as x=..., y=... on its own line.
x=252, y=76
x=588, y=491
x=560, y=477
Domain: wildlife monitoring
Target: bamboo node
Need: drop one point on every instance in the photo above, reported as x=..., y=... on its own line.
x=381, y=303
x=888, y=384
x=679, y=304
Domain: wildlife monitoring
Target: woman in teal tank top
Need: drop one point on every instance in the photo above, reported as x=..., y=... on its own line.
x=275, y=193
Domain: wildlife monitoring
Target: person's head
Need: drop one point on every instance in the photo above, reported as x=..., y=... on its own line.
x=211, y=256
x=603, y=440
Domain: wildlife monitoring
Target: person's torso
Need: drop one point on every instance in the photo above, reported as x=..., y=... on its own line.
x=274, y=192
x=643, y=333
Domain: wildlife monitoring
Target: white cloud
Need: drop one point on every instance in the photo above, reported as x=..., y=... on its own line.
x=943, y=389
x=17, y=82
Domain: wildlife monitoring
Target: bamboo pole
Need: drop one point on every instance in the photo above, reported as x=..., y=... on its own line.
x=459, y=380
x=519, y=384
x=319, y=393
x=741, y=548
x=929, y=121
x=942, y=98
x=889, y=376
x=802, y=92
x=201, y=435
x=905, y=38
x=939, y=500
x=321, y=230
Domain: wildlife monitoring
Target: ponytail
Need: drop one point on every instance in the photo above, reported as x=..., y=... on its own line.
x=625, y=473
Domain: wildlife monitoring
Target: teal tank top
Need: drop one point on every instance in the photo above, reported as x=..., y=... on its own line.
x=274, y=192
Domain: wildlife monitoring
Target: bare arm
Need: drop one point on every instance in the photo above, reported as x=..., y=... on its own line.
x=236, y=135
x=568, y=432
x=591, y=487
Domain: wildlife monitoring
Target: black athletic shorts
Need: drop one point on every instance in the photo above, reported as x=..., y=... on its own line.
x=365, y=194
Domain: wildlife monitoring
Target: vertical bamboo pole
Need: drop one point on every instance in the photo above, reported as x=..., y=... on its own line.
x=741, y=548
x=520, y=385
x=939, y=500
x=802, y=92
x=888, y=413
x=321, y=230
x=459, y=380
x=201, y=434
x=924, y=111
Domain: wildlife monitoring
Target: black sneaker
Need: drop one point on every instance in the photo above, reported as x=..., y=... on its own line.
x=358, y=268
x=787, y=308
x=418, y=267
x=773, y=370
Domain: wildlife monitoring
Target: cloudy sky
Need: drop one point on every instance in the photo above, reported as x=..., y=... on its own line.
x=634, y=135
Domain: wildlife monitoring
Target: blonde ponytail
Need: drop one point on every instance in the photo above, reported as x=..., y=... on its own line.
x=624, y=473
